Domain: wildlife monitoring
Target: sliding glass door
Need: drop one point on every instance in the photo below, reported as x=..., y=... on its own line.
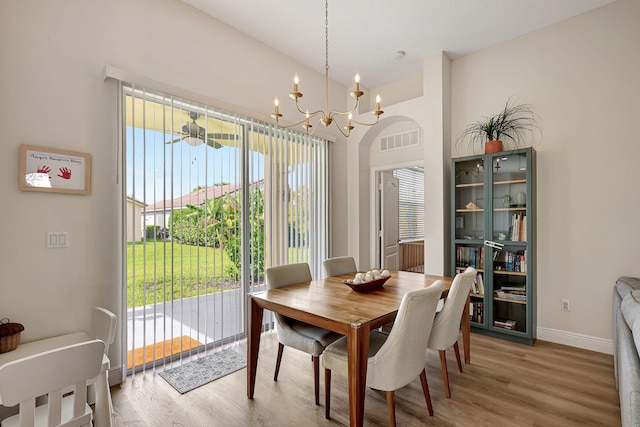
x=212, y=199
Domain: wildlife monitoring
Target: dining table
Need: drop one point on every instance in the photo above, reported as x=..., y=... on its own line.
x=103, y=405
x=331, y=304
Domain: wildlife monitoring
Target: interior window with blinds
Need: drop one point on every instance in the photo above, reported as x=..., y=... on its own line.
x=212, y=199
x=411, y=203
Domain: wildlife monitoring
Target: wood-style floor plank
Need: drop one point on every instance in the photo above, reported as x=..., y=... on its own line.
x=507, y=384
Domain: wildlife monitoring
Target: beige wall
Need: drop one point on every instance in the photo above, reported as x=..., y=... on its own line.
x=53, y=94
x=582, y=76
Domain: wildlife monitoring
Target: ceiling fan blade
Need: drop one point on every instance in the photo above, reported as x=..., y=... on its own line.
x=175, y=140
x=213, y=143
x=226, y=136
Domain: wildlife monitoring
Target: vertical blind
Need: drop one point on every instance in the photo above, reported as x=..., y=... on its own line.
x=411, y=202
x=220, y=197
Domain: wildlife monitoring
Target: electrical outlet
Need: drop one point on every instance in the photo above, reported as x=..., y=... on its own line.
x=565, y=305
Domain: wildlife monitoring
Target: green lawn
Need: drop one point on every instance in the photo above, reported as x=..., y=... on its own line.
x=165, y=270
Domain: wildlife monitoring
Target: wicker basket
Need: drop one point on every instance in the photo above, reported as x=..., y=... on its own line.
x=9, y=335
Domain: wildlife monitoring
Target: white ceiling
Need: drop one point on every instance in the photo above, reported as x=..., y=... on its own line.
x=364, y=35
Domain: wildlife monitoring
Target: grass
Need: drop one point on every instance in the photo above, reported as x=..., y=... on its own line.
x=165, y=271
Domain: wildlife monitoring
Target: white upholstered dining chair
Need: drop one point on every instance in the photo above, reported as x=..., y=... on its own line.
x=446, y=326
x=337, y=266
x=293, y=333
x=397, y=358
x=51, y=373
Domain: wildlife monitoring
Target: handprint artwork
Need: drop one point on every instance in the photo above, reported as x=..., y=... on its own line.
x=54, y=170
x=65, y=173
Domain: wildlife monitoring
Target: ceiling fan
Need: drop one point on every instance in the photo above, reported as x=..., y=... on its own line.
x=194, y=134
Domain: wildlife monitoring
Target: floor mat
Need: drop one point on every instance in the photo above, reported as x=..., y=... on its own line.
x=202, y=371
x=163, y=349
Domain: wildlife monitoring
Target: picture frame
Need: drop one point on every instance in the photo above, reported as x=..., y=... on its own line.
x=459, y=222
x=53, y=170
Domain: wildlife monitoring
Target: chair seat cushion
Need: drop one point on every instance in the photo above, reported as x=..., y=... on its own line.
x=335, y=355
x=304, y=337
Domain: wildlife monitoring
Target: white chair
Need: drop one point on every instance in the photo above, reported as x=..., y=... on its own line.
x=292, y=333
x=49, y=373
x=397, y=358
x=103, y=327
x=446, y=326
x=339, y=265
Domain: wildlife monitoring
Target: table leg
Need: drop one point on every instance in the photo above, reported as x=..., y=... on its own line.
x=466, y=331
x=253, y=344
x=358, y=350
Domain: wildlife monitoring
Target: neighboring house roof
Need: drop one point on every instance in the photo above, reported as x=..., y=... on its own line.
x=198, y=197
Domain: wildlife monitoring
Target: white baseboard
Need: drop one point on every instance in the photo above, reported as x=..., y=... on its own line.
x=572, y=339
x=115, y=375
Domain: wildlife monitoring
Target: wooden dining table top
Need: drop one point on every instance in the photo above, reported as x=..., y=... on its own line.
x=333, y=305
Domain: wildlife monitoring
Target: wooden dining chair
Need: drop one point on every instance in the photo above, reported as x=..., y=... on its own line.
x=337, y=266
x=446, y=326
x=397, y=358
x=51, y=373
x=293, y=333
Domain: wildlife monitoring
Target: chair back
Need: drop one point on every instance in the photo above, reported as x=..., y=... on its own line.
x=401, y=358
x=287, y=275
x=446, y=326
x=104, y=326
x=339, y=265
x=48, y=373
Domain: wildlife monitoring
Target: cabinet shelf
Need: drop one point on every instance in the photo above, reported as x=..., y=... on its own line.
x=514, y=301
x=515, y=209
x=513, y=181
x=499, y=218
x=510, y=273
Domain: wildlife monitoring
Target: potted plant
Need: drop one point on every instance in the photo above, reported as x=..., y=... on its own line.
x=513, y=122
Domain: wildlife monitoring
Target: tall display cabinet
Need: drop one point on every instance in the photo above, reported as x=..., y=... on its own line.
x=493, y=229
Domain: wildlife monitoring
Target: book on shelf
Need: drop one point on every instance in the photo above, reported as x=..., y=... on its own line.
x=467, y=256
x=505, y=324
x=480, y=283
x=513, y=292
x=519, y=227
x=511, y=295
x=476, y=312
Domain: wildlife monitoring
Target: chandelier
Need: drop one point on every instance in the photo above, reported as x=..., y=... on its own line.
x=326, y=116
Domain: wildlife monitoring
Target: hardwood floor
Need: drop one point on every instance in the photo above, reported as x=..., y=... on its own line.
x=507, y=384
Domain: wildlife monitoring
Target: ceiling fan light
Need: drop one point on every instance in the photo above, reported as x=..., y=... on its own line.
x=194, y=142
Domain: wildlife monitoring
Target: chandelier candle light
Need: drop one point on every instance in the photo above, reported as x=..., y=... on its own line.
x=326, y=116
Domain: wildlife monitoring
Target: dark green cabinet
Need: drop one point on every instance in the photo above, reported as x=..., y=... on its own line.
x=493, y=230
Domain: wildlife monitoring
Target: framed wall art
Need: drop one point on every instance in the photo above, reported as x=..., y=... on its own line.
x=54, y=171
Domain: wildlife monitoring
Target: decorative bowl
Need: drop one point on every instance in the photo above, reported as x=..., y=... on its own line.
x=366, y=286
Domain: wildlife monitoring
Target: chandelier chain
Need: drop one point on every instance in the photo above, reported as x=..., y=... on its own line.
x=326, y=36
x=327, y=116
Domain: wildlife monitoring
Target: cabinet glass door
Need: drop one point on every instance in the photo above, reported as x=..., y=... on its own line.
x=509, y=232
x=469, y=228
